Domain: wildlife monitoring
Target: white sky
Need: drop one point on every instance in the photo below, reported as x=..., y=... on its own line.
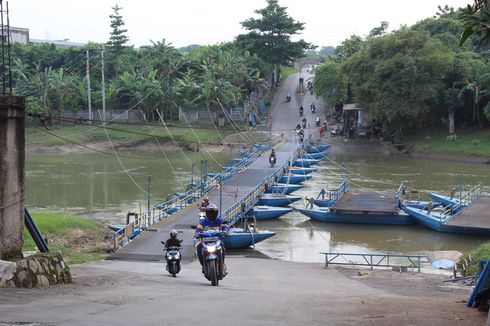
x=184, y=22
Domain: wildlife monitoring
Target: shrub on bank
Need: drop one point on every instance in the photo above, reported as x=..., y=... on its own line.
x=480, y=253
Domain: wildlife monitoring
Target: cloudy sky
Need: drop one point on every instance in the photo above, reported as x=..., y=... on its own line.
x=184, y=22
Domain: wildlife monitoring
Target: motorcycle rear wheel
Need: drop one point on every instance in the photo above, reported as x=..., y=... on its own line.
x=213, y=273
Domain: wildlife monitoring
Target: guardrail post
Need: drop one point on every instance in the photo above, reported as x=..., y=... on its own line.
x=371, y=261
x=418, y=263
x=326, y=260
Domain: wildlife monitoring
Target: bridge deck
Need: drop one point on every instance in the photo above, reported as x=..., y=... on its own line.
x=477, y=215
x=147, y=246
x=366, y=202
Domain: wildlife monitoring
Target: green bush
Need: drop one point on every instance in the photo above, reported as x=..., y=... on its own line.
x=475, y=142
x=480, y=253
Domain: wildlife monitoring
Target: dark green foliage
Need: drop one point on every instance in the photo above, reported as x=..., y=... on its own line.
x=270, y=35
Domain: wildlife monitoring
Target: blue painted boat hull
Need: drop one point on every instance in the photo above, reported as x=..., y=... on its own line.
x=294, y=179
x=314, y=156
x=324, y=202
x=305, y=163
x=420, y=204
x=318, y=149
x=245, y=239
x=283, y=188
x=269, y=212
x=277, y=201
x=432, y=221
x=301, y=171
x=325, y=215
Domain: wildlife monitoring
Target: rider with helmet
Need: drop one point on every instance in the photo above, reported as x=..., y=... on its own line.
x=211, y=222
x=205, y=202
x=173, y=241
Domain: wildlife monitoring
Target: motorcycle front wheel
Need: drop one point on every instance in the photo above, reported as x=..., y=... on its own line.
x=212, y=272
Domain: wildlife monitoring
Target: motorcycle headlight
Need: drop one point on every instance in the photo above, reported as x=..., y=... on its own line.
x=211, y=248
x=177, y=255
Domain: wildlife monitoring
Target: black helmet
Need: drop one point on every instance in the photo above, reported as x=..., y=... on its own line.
x=173, y=234
x=211, y=212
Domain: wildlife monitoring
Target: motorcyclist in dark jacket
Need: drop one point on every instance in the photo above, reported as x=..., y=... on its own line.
x=173, y=241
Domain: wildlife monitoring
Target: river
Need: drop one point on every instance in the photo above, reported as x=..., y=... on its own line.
x=107, y=187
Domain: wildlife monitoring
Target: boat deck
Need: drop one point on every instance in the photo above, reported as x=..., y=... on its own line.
x=477, y=215
x=366, y=203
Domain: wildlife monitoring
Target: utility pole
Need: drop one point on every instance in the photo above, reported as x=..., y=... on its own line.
x=103, y=87
x=88, y=89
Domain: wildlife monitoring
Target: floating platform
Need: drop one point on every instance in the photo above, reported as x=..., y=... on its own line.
x=366, y=202
x=474, y=219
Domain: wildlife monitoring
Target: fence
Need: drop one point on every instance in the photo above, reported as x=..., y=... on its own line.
x=375, y=260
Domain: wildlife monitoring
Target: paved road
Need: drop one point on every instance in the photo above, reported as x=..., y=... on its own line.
x=285, y=115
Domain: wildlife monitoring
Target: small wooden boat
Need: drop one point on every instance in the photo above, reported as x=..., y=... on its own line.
x=305, y=163
x=298, y=170
x=242, y=238
x=283, y=188
x=318, y=149
x=294, y=178
x=269, y=212
x=314, y=156
x=325, y=214
x=277, y=200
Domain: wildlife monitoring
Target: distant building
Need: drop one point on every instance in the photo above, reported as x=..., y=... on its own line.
x=17, y=34
x=58, y=43
x=21, y=35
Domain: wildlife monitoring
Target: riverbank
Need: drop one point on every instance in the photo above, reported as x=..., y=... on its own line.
x=256, y=292
x=87, y=139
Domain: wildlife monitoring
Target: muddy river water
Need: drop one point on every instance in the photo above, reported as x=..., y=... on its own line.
x=99, y=186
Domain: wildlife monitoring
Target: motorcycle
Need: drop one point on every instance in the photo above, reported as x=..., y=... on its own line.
x=288, y=98
x=303, y=123
x=313, y=108
x=172, y=256
x=318, y=122
x=301, y=111
x=272, y=161
x=213, y=256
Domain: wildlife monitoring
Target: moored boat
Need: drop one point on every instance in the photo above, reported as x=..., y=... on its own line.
x=298, y=170
x=325, y=214
x=242, y=238
x=269, y=212
x=277, y=200
x=314, y=156
x=283, y=188
x=294, y=178
x=318, y=149
x=305, y=163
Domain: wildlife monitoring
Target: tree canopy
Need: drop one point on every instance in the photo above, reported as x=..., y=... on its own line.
x=270, y=35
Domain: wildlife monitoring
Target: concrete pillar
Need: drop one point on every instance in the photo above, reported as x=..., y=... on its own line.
x=12, y=188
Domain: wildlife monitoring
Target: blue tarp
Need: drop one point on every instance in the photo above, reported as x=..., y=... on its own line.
x=252, y=119
x=262, y=106
x=443, y=264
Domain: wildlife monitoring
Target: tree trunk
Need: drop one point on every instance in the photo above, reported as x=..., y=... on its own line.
x=451, y=122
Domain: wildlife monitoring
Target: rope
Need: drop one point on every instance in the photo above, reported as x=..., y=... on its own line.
x=126, y=171
x=165, y=154
x=174, y=141
x=12, y=203
x=195, y=135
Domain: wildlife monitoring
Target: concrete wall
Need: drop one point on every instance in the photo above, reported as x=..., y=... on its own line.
x=12, y=189
x=203, y=116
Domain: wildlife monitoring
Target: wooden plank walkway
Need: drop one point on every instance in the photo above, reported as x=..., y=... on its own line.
x=366, y=203
x=477, y=215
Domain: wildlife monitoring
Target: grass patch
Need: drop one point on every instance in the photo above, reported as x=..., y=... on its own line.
x=468, y=142
x=126, y=134
x=79, y=239
x=480, y=253
x=286, y=71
